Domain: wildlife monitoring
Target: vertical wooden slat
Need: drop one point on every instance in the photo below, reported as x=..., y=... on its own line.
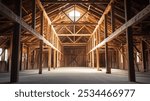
x=129, y=36
x=15, y=59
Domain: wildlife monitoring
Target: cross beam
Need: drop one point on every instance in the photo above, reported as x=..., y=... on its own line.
x=74, y=34
x=94, y=24
x=136, y=19
x=108, y=8
x=11, y=15
x=75, y=1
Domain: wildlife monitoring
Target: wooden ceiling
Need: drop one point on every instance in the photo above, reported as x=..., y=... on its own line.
x=73, y=32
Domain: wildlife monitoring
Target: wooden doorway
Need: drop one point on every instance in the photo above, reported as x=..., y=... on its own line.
x=74, y=56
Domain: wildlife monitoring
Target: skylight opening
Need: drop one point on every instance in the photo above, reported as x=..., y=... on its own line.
x=74, y=15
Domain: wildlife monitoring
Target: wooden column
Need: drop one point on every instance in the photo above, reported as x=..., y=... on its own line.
x=106, y=45
x=57, y=53
x=93, y=52
x=33, y=14
x=27, y=63
x=113, y=28
x=41, y=44
x=129, y=36
x=54, y=59
x=15, y=59
x=143, y=55
x=33, y=59
x=97, y=52
x=49, y=59
x=21, y=49
x=112, y=18
x=97, y=59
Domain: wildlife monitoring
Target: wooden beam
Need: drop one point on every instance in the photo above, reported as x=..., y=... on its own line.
x=75, y=2
x=78, y=39
x=70, y=39
x=68, y=30
x=79, y=29
x=49, y=21
x=78, y=24
x=67, y=16
x=136, y=19
x=74, y=35
x=74, y=44
x=108, y=8
x=129, y=32
x=82, y=16
x=15, y=59
x=12, y=16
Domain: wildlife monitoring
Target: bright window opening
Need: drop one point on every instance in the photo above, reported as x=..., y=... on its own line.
x=6, y=55
x=121, y=58
x=137, y=57
x=0, y=54
x=74, y=15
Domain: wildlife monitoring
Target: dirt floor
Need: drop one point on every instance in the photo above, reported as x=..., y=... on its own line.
x=76, y=75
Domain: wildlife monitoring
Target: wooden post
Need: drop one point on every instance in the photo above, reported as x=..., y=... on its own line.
x=57, y=58
x=143, y=56
x=93, y=52
x=113, y=28
x=129, y=36
x=41, y=44
x=49, y=59
x=54, y=59
x=33, y=14
x=33, y=59
x=15, y=59
x=97, y=52
x=123, y=57
x=27, y=63
x=97, y=58
x=21, y=50
x=112, y=18
x=106, y=46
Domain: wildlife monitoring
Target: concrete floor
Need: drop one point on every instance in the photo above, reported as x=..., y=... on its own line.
x=76, y=75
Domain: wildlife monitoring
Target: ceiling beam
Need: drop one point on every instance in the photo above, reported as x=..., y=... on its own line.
x=70, y=24
x=74, y=34
x=46, y=16
x=134, y=20
x=74, y=44
x=77, y=1
x=11, y=15
x=108, y=8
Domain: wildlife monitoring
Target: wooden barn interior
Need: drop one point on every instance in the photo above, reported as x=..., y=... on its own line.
x=108, y=37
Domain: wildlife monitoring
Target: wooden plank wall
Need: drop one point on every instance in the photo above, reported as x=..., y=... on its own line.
x=75, y=56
